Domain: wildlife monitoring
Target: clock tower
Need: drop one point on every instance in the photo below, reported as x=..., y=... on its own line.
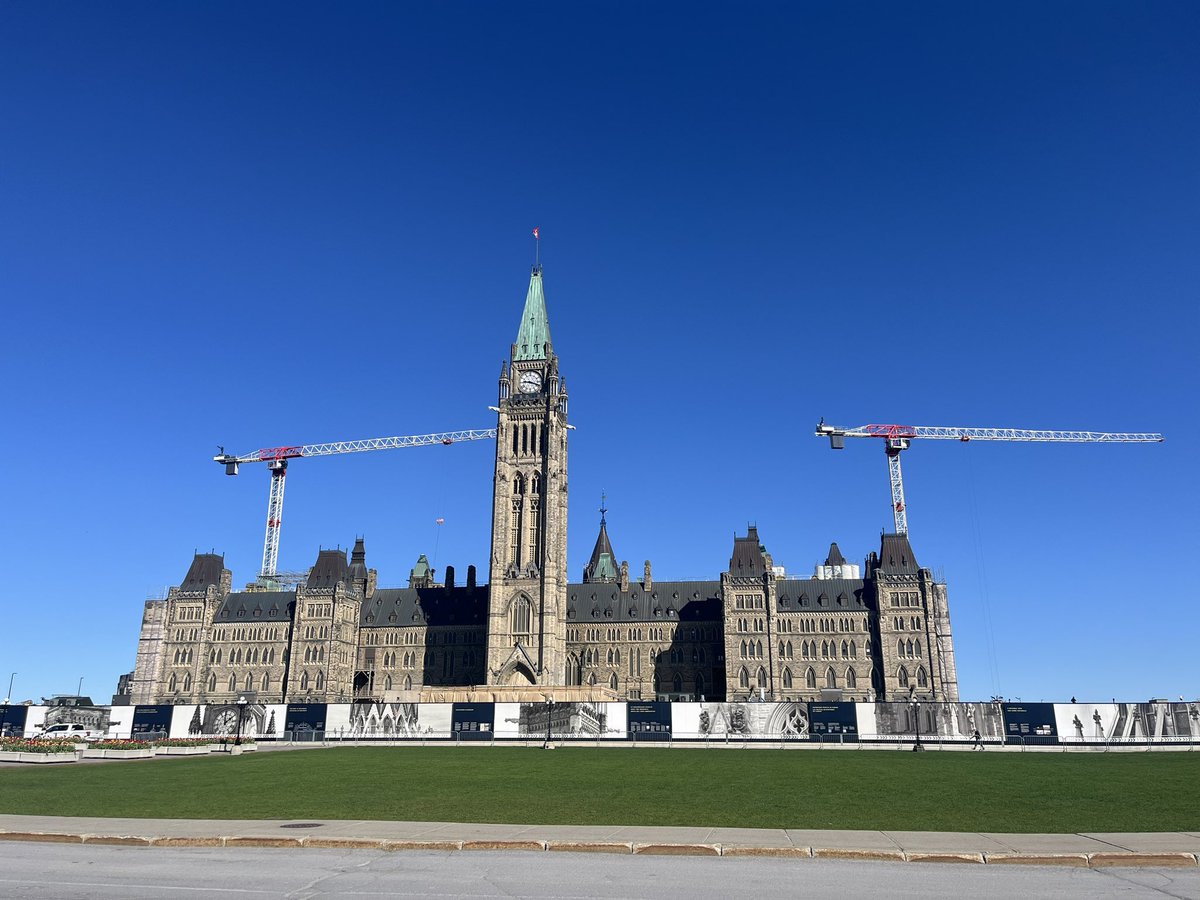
x=527, y=603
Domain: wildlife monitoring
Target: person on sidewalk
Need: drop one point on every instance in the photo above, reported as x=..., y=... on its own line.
x=978, y=745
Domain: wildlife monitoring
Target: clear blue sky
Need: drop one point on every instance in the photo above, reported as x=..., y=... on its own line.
x=252, y=224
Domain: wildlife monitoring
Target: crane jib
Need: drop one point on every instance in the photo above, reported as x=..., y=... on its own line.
x=280, y=453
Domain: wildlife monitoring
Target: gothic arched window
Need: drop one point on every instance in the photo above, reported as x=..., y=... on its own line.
x=744, y=678
x=212, y=681
x=851, y=679
x=787, y=678
x=922, y=678
x=522, y=616
x=232, y=682
x=902, y=677
x=830, y=678
x=810, y=678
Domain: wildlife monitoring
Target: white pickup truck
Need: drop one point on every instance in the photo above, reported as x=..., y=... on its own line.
x=70, y=730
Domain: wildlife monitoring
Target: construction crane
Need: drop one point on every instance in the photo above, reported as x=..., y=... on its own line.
x=898, y=437
x=277, y=458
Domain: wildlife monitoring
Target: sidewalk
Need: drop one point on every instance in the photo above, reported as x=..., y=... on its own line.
x=1081, y=850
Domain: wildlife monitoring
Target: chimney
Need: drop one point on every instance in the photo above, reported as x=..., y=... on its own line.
x=623, y=581
x=647, y=581
x=449, y=578
x=470, y=578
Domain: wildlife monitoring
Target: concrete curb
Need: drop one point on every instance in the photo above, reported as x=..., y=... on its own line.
x=1097, y=860
x=657, y=848
x=1078, y=860
x=1105, y=859
x=852, y=853
x=591, y=846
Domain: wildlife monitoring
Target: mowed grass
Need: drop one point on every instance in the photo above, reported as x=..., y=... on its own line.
x=934, y=791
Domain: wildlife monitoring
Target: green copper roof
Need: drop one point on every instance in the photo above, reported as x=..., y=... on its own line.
x=534, y=336
x=606, y=569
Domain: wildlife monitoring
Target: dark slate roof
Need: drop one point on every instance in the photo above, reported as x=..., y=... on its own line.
x=896, y=555
x=670, y=601
x=747, y=559
x=331, y=568
x=394, y=607
x=358, y=562
x=256, y=606
x=603, y=565
x=204, y=570
x=821, y=595
x=835, y=557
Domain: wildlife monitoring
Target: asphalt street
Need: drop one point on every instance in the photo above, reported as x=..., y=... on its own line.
x=40, y=871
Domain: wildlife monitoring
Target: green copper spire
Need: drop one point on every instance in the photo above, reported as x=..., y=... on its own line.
x=534, y=337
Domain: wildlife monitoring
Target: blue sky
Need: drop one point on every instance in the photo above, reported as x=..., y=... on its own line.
x=255, y=224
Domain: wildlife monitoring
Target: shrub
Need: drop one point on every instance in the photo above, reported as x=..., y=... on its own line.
x=126, y=744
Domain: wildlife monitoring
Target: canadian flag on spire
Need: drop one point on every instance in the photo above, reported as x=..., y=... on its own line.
x=535, y=235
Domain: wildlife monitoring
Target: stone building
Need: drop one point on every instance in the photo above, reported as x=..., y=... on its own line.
x=876, y=631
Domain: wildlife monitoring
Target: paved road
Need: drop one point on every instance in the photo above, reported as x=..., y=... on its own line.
x=34, y=871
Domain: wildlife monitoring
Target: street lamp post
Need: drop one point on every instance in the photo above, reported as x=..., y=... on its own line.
x=241, y=704
x=916, y=705
x=7, y=702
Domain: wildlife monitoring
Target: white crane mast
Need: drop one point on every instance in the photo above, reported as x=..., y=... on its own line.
x=277, y=458
x=897, y=438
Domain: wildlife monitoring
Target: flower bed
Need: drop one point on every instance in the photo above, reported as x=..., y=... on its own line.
x=37, y=750
x=37, y=745
x=184, y=742
x=183, y=746
x=125, y=744
x=119, y=749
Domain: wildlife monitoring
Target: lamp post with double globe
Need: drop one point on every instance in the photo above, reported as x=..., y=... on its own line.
x=241, y=705
x=916, y=709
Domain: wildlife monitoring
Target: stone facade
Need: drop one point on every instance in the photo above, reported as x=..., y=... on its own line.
x=876, y=631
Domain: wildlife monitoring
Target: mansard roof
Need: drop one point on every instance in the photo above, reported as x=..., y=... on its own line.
x=205, y=570
x=249, y=607
x=896, y=555
x=747, y=559
x=821, y=595
x=395, y=607
x=358, y=562
x=666, y=601
x=533, y=338
x=331, y=567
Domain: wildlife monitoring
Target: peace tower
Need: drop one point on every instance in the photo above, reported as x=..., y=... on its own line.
x=527, y=606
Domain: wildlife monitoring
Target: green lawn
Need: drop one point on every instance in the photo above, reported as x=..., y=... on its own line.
x=935, y=791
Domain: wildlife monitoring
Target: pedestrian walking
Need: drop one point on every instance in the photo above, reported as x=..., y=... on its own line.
x=977, y=739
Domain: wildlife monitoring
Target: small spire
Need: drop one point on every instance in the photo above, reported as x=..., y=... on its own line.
x=603, y=507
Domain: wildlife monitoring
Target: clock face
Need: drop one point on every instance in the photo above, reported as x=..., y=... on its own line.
x=530, y=382
x=225, y=722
